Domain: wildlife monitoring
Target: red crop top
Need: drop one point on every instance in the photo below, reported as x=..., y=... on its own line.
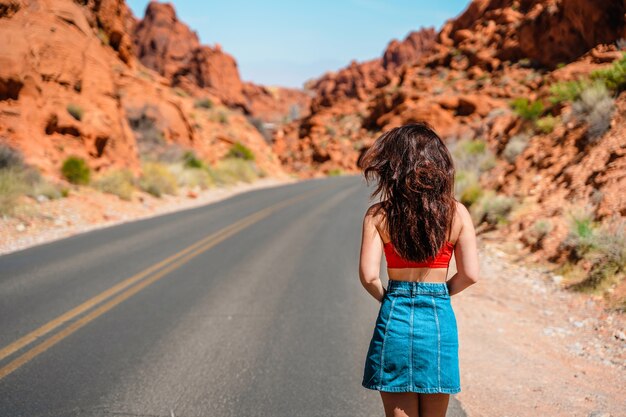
x=442, y=260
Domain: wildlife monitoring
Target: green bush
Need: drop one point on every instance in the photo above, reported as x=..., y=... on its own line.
x=566, y=91
x=492, y=208
x=76, y=170
x=119, y=182
x=472, y=155
x=614, y=77
x=75, y=111
x=157, y=179
x=527, y=110
x=191, y=161
x=192, y=177
x=241, y=151
x=203, y=103
x=538, y=231
x=546, y=124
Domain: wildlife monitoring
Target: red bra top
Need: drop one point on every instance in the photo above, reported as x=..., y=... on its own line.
x=442, y=260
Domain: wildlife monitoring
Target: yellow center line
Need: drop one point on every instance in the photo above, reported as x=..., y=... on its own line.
x=169, y=264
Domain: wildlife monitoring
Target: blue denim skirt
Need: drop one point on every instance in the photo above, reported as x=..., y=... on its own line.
x=415, y=343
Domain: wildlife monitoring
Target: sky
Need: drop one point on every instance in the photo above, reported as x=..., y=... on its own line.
x=287, y=42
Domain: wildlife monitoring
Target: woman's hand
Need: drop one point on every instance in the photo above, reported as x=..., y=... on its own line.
x=371, y=254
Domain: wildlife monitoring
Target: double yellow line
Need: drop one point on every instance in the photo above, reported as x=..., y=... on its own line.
x=127, y=288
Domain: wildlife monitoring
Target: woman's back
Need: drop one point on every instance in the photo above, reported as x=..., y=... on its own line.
x=431, y=270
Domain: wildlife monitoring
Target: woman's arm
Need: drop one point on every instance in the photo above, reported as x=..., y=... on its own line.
x=465, y=255
x=371, y=253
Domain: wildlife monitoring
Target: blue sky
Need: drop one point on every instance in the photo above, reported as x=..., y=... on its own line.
x=286, y=42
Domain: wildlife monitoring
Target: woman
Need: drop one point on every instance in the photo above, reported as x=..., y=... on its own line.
x=413, y=355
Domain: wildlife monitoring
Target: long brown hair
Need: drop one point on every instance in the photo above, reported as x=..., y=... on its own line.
x=415, y=175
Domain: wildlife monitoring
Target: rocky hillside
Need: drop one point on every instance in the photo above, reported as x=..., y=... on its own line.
x=529, y=95
x=86, y=78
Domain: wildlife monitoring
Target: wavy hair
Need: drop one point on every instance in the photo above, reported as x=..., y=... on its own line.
x=415, y=180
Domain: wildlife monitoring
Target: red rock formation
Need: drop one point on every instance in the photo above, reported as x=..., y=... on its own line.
x=168, y=46
x=463, y=85
x=70, y=86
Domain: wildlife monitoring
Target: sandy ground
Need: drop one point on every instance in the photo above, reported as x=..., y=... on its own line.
x=527, y=346
x=530, y=348
x=87, y=209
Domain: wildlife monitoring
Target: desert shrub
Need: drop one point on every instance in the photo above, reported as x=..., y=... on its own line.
x=76, y=170
x=149, y=137
x=566, y=91
x=10, y=157
x=75, y=111
x=119, y=182
x=602, y=246
x=335, y=172
x=515, y=146
x=259, y=125
x=546, y=124
x=492, y=208
x=472, y=155
x=12, y=184
x=595, y=107
x=539, y=230
x=157, y=179
x=466, y=187
x=233, y=170
x=614, y=77
x=527, y=110
x=47, y=189
x=241, y=151
x=192, y=177
x=203, y=103
x=190, y=160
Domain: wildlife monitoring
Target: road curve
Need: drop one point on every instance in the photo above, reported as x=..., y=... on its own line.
x=246, y=307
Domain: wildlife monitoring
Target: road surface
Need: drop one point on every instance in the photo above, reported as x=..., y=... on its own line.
x=246, y=307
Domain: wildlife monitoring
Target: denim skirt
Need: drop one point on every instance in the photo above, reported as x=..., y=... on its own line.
x=414, y=347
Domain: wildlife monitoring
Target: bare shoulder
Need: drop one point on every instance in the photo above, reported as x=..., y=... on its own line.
x=375, y=214
x=464, y=216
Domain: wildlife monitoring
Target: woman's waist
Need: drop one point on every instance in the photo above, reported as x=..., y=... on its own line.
x=396, y=286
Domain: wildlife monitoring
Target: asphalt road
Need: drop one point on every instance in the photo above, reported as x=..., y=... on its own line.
x=251, y=306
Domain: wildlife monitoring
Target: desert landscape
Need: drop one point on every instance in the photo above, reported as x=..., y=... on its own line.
x=107, y=117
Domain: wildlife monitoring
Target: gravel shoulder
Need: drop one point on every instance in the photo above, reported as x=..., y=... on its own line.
x=528, y=347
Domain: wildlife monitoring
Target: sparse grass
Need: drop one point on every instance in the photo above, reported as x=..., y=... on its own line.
x=157, y=179
x=231, y=170
x=493, y=209
x=119, y=182
x=335, y=172
x=76, y=170
x=538, y=231
x=546, y=124
x=12, y=185
x=75, y=111
x=203, y=103
x=527, y=110
x=192, y=177
x=240, y=151
x=472, y=158
x=515, y=146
